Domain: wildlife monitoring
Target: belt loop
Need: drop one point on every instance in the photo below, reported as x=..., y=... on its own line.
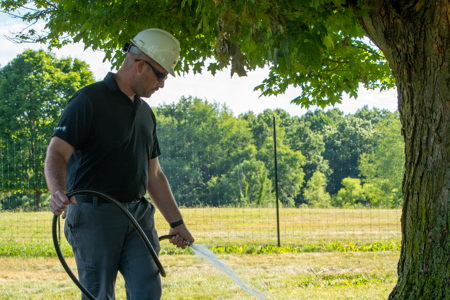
x=94, y=201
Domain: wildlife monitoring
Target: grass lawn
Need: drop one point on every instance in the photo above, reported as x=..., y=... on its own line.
x=349, y=275
x=322, y=255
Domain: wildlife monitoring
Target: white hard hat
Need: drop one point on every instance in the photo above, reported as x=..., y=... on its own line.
x=160, y=45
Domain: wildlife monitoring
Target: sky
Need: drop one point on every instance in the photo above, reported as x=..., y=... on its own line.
x=236, y=92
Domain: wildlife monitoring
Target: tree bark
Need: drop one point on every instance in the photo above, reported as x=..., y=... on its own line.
x=37, y=198
x=414, y=36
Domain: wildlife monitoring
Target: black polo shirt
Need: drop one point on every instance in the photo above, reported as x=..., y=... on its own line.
x=114, y=140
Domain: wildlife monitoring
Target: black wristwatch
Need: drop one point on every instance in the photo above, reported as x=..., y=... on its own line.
x=177, y=223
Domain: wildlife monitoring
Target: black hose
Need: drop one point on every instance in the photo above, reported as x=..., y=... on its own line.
x=130, y=218
x=168, y=237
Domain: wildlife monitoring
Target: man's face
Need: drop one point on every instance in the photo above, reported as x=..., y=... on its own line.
x=150, y=78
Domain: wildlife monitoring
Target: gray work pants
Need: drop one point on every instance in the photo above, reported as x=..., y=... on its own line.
x=105, y=242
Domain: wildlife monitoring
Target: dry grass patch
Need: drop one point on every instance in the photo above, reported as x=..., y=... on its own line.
x=352, y=275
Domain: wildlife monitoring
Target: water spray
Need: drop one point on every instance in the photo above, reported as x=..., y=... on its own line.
x=206, y=254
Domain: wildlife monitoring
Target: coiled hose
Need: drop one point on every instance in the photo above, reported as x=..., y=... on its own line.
x=130, y=218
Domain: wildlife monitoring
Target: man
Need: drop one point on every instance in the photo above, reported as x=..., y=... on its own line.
x=106, y=140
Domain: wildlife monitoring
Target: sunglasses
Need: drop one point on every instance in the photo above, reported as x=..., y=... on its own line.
x=160, y=76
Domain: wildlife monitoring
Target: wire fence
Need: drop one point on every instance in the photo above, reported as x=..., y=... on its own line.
x=243, y=226
x=24, y=215
x=298, y=226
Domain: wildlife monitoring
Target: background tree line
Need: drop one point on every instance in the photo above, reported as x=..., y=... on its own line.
x=325, y=158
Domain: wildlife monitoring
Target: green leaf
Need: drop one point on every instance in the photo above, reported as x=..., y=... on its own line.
x=316, y=4
x=328, y=42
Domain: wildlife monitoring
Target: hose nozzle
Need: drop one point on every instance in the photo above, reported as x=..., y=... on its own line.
x=167, y=237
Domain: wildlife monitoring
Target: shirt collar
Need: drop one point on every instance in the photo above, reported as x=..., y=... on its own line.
x=112, y=85
x=111, y=82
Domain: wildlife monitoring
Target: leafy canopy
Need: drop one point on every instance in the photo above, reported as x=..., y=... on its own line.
x=316, y=45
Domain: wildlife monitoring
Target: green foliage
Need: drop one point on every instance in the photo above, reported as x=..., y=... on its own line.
x=21, y=201
x=246, y=184
x=193, y=151
x=36, y=248
x=317, y=45
x=345, y=142
x=383, y=168
x=306, y=134
x=350, y=195
x=289, y=161
x=315, y=192
x=34, y=89
x=289, y=165
x=208, y=168
x=331, y=247
x=236, y=166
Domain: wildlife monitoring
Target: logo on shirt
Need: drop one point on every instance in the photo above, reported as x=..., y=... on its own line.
x=63, y=128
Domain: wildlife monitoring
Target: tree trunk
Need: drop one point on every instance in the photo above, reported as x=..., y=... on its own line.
x=37, y=198
x=414, y=36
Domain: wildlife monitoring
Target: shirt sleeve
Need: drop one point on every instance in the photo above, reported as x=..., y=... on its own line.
x=75, y=122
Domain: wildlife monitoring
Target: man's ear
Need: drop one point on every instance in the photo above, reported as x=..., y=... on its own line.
x=140, y=66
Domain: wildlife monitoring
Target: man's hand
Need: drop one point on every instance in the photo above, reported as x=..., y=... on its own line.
x=59, y=202
x=181, y=233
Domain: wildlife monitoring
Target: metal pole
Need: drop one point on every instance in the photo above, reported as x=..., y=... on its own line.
x=276, y=178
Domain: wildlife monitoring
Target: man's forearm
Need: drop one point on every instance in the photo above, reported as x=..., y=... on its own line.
x=159, y=190
x=161, y=194
x=58, y=154
x=55, y=172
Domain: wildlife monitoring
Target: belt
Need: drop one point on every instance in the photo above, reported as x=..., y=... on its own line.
x=92, y=199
